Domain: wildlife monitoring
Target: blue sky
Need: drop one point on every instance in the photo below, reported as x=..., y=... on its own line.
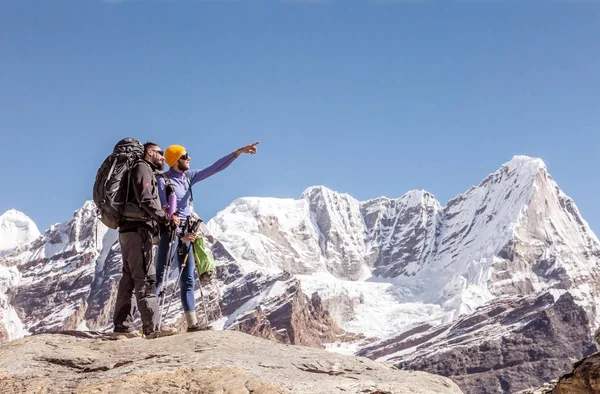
x=366, y=97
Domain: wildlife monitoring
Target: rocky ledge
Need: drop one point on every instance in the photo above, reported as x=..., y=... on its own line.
x=201, y=362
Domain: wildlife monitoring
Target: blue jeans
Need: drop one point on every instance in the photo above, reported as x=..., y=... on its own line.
x=179, y=251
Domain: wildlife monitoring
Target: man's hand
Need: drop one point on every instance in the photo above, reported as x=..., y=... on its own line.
x=251, y=149
x=191, y=237
x=176, y=220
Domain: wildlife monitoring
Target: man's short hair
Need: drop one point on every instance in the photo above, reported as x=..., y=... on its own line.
x=149, y=145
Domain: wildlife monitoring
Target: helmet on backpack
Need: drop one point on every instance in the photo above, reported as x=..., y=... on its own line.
x=111, y=187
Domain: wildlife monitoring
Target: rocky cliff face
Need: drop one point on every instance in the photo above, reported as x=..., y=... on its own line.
x=512, y=343
x=276, y=308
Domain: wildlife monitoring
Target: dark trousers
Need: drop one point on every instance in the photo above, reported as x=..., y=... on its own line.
x=138, y=280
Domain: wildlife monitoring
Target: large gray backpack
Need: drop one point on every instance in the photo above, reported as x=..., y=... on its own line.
x=111, y=187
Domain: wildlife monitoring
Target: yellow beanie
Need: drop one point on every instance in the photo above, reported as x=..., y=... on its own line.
x=173, y=153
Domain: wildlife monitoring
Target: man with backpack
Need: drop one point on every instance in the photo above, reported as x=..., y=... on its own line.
x=179, y=180
x=135, y=237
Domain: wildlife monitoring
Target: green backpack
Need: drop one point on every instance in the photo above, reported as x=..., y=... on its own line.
x=204, y=262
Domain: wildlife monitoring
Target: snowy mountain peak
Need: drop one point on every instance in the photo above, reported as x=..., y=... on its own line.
x=316, y=189
x=411, y=197
x=16, y=228
x=16, y=217
x=320, y=191
x=88, y=206
x=12, y=213
x=418, y=197
x=520, y=161
x=520, y=171
x=524, y=168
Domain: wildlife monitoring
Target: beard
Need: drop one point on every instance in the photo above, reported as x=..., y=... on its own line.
x=183, y=165
x=158, y=163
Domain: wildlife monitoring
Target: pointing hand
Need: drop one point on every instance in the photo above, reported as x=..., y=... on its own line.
x=251, y=149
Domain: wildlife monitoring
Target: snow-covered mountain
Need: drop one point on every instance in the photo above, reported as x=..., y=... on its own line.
x=329, y=232
x=514, y=233
x=10, y=324
x=16, y=228
x=57, y=271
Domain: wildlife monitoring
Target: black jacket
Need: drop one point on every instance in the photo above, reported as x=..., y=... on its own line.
x=143, y=198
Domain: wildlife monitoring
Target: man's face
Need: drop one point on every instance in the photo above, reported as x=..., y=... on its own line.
x=184, y=161
x=155, y=156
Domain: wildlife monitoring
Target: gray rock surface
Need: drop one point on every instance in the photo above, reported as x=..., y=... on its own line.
x=205, y=362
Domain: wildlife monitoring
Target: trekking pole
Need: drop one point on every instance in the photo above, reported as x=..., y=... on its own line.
x=201, y=293
x=171, y=210
x=165, y=278
x=177, y=283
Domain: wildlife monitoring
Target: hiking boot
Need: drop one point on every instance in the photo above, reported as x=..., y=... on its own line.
x=126, y=334
x=163, y=332
x=198, y=327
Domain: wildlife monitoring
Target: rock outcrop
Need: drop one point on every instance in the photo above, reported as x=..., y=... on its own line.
x=201, y=362
x=582, y=379
x=510, y=344
x=275, y=308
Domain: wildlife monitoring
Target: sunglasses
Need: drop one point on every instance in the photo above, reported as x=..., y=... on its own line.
x=185, y=157
x=160, y=152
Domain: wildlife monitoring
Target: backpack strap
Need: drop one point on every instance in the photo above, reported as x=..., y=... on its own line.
x=169, y=185
x=169, y=190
